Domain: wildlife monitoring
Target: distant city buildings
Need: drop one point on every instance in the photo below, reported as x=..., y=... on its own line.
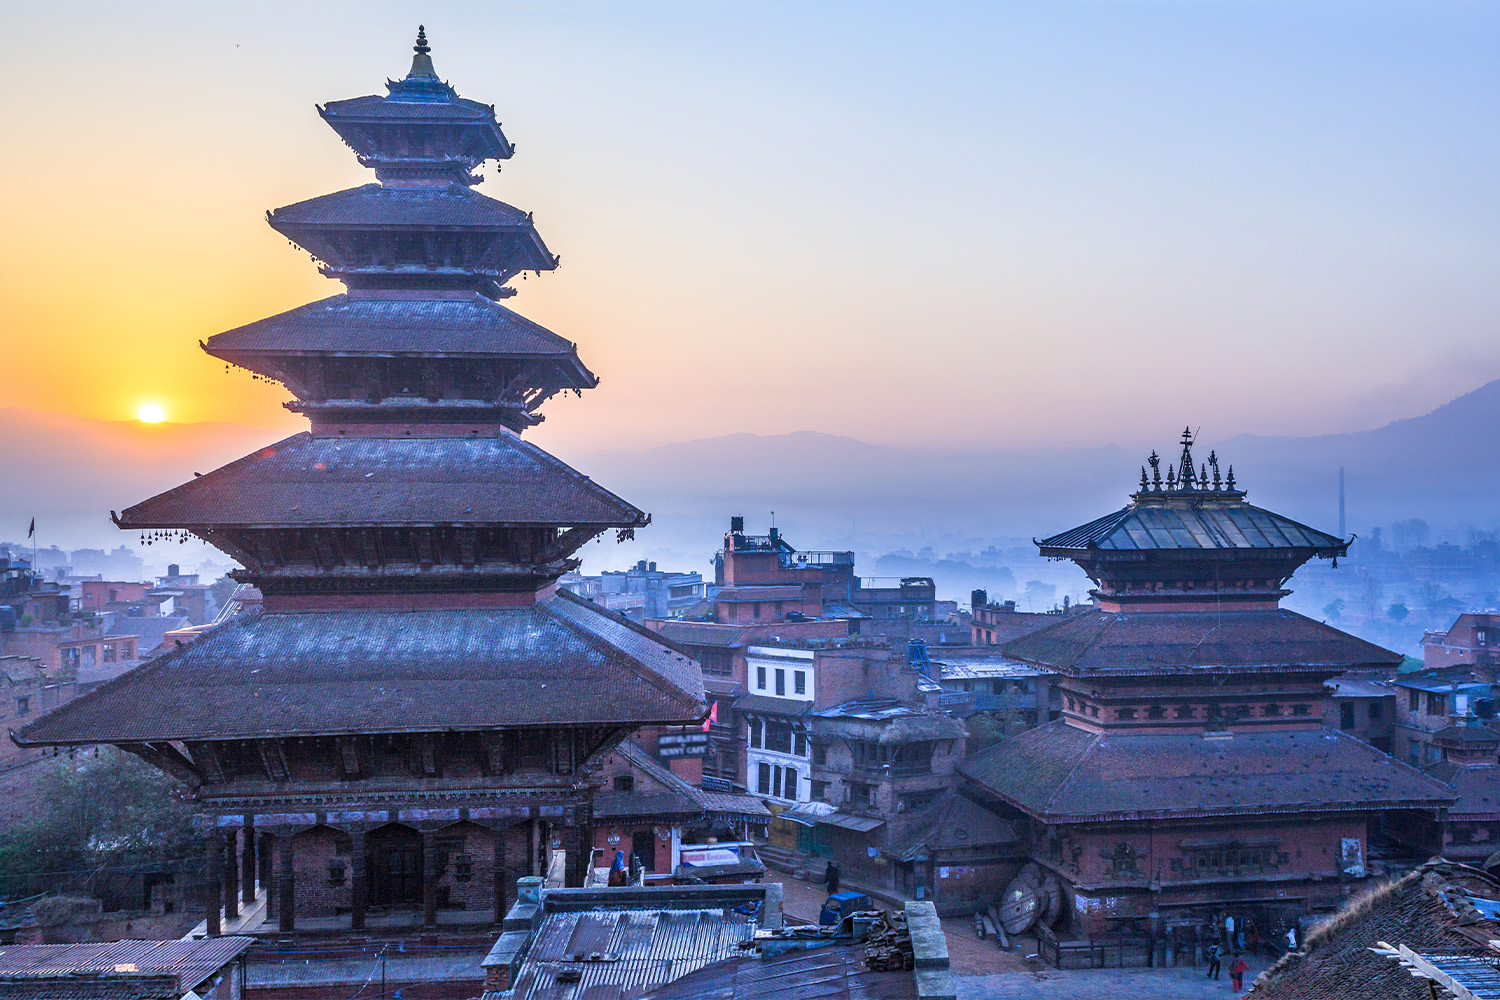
x=640, y=592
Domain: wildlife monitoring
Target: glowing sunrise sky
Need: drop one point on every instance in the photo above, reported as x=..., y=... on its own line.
x=971, y=225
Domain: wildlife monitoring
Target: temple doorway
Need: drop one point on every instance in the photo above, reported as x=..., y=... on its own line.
x=395, y=866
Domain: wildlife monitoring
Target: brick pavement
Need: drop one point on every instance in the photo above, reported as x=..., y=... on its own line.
x=983, y=971
x=1103, y=984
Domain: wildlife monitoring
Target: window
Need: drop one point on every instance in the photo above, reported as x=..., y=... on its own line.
x=820, y=790
x=1437, y=704
x=336, y=872
x=780, y=682
x=1156, y=712
x=1300, y=710
x=90, y=655
x=799, y=681
x=1346, y=715
x=918, y=801
x=799, y=743
x=463, y=867
x=756, y=739
x=760, y=678
x=1124, y=714
x=790, y=784
x=109, y=652
x=23, y=705
x=1271, y=710
x=624, y=782
x=716, y=662
x=763, y=785
x=1413, y=701
x=820, y=754
x=1481, y=637
x=1374, y=711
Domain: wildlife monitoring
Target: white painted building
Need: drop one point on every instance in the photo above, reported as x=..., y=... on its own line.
x=778, y=700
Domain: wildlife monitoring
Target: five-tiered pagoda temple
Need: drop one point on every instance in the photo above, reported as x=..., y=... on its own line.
x=1191, y=780
x=412, y=718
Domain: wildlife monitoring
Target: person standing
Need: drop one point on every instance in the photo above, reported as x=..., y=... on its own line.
x=831, y=878
x=617, y=875
x=1213, y=961
x=1237, y=970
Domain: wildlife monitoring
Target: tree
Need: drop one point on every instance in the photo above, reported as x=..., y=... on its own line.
x=1397, y=612
x=96, y=805
x=1333, y=609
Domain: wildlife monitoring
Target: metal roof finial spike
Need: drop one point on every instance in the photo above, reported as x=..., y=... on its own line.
x=1171, y=477
x=1202, y=476
x=1145, y=484
x=421, y=63
x=1155, y=463
x=421, y=48
x=1230, y=481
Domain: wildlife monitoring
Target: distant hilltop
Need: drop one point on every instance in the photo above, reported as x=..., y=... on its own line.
x=1441, y=466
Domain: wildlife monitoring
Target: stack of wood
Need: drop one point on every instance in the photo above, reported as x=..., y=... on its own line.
x=888, y=948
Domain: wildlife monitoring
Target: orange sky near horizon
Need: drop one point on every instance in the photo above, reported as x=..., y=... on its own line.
x=912, y=224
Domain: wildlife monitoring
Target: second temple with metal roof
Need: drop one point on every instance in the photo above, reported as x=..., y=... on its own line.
x=412, y=720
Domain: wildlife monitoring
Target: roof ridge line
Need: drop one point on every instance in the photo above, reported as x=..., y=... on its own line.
x=638, y=666
x=152, y=664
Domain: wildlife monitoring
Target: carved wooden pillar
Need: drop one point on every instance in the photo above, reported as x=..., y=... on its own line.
x=287, y=901
x=360, y=885
x=537, y=865
x=502, y=876
x=231, y=874
x=247, y=864
x=429, y=878
x=213, y=883
x=264, y=856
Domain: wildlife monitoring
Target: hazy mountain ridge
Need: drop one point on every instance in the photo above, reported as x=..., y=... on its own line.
x=832, y=490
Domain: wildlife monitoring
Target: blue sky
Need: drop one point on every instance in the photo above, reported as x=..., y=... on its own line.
x=1005, y=225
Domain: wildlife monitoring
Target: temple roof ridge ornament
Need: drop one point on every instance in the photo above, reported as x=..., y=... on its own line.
x=1181, y=482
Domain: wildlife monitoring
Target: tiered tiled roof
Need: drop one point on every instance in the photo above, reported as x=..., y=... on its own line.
x=346, y=672
x=1099, y=642
x=1060, y=773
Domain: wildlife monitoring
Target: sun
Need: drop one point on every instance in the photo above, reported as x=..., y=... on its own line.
x=151, y=413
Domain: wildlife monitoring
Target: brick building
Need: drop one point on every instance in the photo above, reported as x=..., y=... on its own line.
x=415, y=714
x=1191, y=777
x=1473, y=638
x=1431, y=700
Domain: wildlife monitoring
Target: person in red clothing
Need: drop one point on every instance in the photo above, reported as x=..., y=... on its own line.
x=1237, y=970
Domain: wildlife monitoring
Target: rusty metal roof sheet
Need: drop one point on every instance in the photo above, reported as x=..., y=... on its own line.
x=1064, y=774
x=306, y=481
x=1183, y=523
x=832, y=973
x=1158, y=642
x=189, y=963
x=348, y=672
x=638, y=950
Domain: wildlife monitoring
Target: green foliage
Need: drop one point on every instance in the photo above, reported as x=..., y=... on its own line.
x=1397, y=612
x=985, y=729
x=95, y=806
x=222, y=590
x=1334, y=608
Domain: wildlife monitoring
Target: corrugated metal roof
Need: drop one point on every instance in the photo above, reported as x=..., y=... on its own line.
x=772, y=706
x=640, y=950
x=1183, y=523
x=191, y=962
x=306, y=481
x=951, y=669
x=832, y=973
x=346, y=672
